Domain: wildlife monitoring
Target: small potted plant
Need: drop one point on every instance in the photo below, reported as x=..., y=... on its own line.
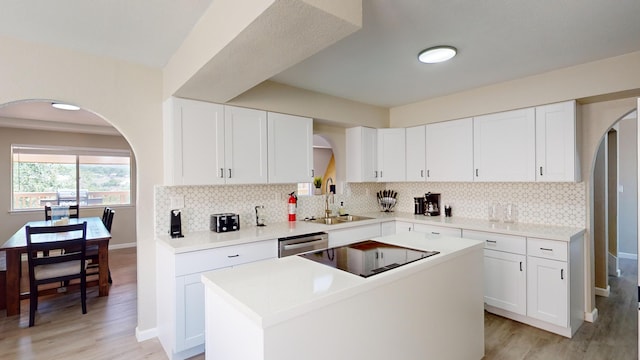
x=317, y=182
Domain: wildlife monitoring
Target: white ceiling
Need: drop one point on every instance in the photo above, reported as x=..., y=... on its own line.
x=498, y=40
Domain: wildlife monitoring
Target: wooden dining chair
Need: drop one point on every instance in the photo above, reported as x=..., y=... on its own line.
x=92, y=251
x=74, y=212
x=59, y=266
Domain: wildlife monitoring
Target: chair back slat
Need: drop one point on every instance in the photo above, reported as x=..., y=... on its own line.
x=74, y=212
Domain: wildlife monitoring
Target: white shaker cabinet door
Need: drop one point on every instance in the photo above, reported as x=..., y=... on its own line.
x=403, y=226
x=197, y=141
x=505, y=281
x=556, y=142
x=449, y=150
x=245, y=136
x=416, y=156
x=362, y=154
x=548, y=288
x=391, y=154
x=504, y=146
x=290, y=148
x=190, y=304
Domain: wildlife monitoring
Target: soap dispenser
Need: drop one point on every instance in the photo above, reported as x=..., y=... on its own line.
x=341, y=210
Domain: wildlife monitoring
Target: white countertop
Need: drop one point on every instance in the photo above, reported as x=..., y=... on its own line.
x=202, y=240
x=560, y=233
x=274, y=290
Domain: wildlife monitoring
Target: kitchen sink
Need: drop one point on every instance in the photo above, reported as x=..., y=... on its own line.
x=340, y=219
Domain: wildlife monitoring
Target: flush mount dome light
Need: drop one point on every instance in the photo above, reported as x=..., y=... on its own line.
x=437, y=54
x=63, y=106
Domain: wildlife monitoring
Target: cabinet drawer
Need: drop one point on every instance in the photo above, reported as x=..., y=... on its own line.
x=547, y=249
x=206, y=260
x=500, y=242
x=437, y=230
x=353, y=235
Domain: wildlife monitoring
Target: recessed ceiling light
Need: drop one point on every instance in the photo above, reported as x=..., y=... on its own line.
x=437, y=54
x=63, y=106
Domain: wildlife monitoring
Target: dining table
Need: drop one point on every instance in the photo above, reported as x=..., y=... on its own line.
x=97, y=234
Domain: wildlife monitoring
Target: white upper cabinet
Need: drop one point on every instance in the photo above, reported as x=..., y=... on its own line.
x=504, y=146
x=210, y=144
x=556, y=153
x=194, y=141
x=416, y=156
x=449, y=150
x=391, y=154
x=245, y=144
x=290, y=148
x=362, y=159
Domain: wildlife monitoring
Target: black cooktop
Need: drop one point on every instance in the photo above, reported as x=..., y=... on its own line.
x=367, y=258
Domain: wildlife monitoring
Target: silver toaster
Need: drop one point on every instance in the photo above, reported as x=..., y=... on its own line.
x=224, y=222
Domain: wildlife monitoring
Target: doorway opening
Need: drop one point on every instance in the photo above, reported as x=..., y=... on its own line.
x=615, y=201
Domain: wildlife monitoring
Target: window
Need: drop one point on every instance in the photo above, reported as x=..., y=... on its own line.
x=65, y=176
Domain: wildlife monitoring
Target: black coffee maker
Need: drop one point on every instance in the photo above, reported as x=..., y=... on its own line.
x=418, y=205
x=175, y=227
x=431, y=204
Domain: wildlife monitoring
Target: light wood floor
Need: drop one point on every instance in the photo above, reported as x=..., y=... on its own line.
x=107, y=331
x=613, y=336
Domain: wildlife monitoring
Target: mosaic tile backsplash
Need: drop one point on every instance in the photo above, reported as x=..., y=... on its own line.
x=537, y=203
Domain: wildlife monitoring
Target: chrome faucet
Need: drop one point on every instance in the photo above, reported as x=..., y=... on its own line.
x=327, y=211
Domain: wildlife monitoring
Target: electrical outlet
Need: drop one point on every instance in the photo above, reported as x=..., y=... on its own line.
x=177, y=202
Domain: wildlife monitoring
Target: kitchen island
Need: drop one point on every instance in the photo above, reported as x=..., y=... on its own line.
x=295, y=308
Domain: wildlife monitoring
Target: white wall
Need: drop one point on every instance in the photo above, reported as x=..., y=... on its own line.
x=628, y=199
x=128, y=96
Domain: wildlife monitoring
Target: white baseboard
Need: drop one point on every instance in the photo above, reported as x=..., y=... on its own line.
x=628, y=256
x=143, y=335
x=122, y=246
x=603, y=292
x=591, y=316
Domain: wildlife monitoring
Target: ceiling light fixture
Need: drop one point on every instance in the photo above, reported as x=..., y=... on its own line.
x=63, y=106
x=437, y=54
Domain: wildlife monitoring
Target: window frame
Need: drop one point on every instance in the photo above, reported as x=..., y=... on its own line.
x=70, y=151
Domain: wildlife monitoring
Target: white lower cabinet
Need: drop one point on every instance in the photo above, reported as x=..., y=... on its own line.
x=547, y=299
x=505, y=270
x=190, y=297
x=403, y=226
x=353, y=234
x=387, y=228
x=505, y=281
x=534, y=281
x=180, y=292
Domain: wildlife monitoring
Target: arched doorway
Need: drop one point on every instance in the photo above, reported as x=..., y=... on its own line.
x=36, y=123
x=614, y=202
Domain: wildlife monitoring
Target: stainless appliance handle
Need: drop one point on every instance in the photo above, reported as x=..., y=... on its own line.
x=301, y=245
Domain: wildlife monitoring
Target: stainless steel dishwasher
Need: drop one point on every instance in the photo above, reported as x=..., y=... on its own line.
x=293, y=245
